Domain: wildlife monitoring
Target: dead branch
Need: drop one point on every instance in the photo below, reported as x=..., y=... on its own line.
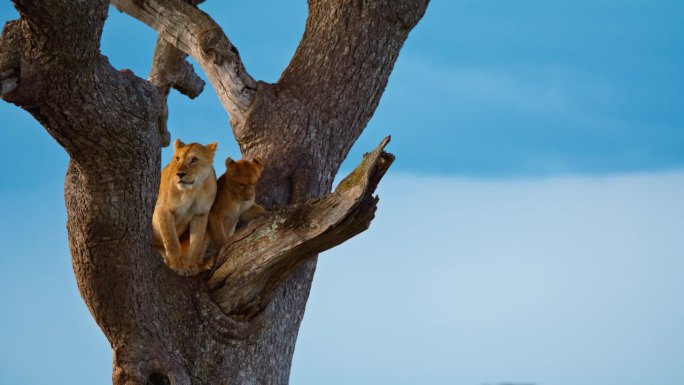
x=262, y=255
x=195, y=33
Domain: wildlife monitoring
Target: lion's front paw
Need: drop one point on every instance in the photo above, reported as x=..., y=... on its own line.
x=185, y=270
x=189, y=270
x=207, y=264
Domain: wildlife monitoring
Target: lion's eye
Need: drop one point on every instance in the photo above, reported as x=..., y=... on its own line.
x=178, y=159
x=242, y=186
x=193, y=160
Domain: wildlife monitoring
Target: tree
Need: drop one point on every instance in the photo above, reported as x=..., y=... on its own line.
x=238, y=323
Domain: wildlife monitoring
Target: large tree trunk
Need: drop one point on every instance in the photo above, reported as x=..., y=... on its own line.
x=237, y=324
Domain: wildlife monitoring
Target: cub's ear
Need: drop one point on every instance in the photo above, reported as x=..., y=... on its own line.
x=258, y=163
x=211, y=147
x=178, y=144
x=229, y=162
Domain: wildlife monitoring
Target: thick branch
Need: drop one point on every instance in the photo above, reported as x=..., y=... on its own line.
x=327, y=94
x=52, y=22
x=50, y=65
x=263, y=255
x=195, y=33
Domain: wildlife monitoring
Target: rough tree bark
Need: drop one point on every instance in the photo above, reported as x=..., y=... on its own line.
x=237, y=324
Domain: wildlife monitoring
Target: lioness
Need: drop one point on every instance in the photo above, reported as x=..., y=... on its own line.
x=235, y=199
x=186, y=193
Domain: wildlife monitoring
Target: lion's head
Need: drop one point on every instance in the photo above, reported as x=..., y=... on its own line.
x=242, y=176
x=191, y=163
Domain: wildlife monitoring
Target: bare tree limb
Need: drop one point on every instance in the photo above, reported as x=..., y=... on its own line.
x=347, y=53
x=195, y=33
x=263, y=255
x=51, y=66
x=345, y=56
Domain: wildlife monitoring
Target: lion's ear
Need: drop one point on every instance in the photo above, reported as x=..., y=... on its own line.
x=229, y=162
x=211, y=147
x=178, y=144
x=259, y=163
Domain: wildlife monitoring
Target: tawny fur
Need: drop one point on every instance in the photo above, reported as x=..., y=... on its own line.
x=186, y=194
x=235, y=199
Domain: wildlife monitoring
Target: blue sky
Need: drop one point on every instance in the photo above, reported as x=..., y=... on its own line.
x=527, y=232
x=482, y=88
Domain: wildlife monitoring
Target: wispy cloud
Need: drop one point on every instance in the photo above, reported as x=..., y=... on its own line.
x=565, y=281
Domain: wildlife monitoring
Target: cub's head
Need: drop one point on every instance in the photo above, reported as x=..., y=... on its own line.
x=242, y=176
x=191, y=163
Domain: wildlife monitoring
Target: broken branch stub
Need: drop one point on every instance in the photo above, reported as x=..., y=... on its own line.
x=262, y=255
x=171, y=70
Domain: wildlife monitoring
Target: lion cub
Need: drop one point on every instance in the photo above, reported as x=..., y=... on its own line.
x=186, y=193
x=235, y=199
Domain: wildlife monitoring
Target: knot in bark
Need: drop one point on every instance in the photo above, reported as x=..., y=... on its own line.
x=10, y=59
x=215, y=47
x=227, y=329
x=134, y=365
x=406, y=14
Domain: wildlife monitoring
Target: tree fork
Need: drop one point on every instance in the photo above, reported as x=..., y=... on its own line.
x=195, y=33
